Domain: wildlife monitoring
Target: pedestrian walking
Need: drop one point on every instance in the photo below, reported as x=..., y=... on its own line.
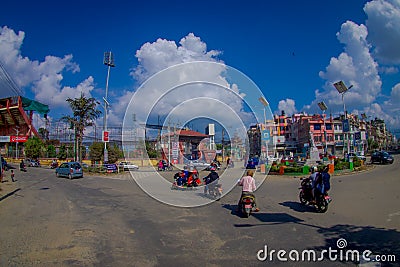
x=12, y=175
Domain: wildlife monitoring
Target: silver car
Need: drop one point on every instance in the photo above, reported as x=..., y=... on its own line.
x=69, y=170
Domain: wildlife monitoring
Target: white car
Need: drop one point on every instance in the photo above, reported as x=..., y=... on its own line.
x=126, y=166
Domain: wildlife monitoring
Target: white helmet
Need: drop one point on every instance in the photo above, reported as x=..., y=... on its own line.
x=314, y=168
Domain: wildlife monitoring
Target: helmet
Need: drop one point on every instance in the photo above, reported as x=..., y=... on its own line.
x=314, y=169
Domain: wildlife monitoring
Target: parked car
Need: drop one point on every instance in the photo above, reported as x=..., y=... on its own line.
x=111, y=168
x=70, y=170
x=126, y=166
x=382, y=157
x=198, y=164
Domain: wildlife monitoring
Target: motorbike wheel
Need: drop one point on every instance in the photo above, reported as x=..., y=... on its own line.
x=322, y=206
x=302, y=198
x=246, y=212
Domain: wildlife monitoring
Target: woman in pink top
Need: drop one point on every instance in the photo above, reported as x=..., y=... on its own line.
x=248, y=187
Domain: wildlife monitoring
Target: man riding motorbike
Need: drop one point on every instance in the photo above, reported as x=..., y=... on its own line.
x=248, y=187
x=211, y=177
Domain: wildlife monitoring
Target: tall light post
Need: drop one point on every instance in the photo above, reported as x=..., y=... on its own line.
x=108, y=61
x=265, y=103
x=324, y=107
x=342, y=89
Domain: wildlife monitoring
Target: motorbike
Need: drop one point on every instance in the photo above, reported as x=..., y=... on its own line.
x=22, y=168
x=54, y=165
x=321, y=200
x=246, y=205
x=214, y=190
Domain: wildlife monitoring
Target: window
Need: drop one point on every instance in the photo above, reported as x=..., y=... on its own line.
x=317, y=126
x=328, y=126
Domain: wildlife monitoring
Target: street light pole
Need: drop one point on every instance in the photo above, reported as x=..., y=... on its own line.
x=265, y=103
x=108, y=61
x=324, y=107
x=342, y=89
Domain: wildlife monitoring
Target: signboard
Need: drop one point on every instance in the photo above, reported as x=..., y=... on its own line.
x=18, y=139
x=357, y=135
x=105, y=136
x=4, y=139
x=279, y=140
x=346, y=126
x=175, y=150
x=265, y=135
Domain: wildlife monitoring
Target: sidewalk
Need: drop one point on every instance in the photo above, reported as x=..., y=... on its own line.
x=7, y=187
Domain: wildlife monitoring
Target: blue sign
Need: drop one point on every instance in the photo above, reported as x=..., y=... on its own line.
x=265, y=135
x=346, y=126
x=357, y=136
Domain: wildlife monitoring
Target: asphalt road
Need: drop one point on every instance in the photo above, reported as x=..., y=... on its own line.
x=110, y=221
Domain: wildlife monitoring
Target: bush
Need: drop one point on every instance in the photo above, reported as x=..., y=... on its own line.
x=293, y=169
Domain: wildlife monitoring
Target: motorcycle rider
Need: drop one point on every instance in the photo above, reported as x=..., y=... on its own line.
x=313, y=179
x=211, y=177
x=22, y=165
x=248, y=187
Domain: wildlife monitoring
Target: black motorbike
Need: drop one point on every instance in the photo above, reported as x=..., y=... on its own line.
x=321, y=200
x=214, y=190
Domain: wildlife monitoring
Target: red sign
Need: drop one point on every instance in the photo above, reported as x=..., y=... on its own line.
x=105, y=136
x=18, y=139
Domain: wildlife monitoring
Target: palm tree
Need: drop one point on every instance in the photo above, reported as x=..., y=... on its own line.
x=85, y=112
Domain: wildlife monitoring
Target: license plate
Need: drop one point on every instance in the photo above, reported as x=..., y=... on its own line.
x=247, y=206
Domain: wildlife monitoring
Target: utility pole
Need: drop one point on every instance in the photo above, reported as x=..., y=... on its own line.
x=108, y=61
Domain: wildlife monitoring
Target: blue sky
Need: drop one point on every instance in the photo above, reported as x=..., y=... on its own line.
x=293, y=50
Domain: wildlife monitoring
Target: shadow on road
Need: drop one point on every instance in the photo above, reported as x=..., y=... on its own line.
x=297, y=206
x=379, y=241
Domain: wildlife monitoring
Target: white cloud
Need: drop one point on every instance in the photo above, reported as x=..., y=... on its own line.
x=384, y=29
x=288, y=105
x=43, y=78
x=355, y=66
x=161, y=54
x=156, y=56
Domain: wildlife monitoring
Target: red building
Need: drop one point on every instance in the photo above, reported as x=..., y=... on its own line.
x=316, y=127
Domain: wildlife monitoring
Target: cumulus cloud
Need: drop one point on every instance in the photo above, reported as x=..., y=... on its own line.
x=369, y=50
x=156, y=56
x=43, y=78
x=384, y=29
x=206, y=79
x=288, y=105
x=355, y=66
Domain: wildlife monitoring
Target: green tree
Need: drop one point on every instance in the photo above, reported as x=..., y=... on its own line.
x=114, y=153
x=44, y=133
x=34, y=147
x=51, y=151
x=85, y=112
x=62, y=152
x=151, y=151
x=96, y=151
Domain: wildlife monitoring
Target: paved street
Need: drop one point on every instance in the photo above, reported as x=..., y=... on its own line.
x=110, y=221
